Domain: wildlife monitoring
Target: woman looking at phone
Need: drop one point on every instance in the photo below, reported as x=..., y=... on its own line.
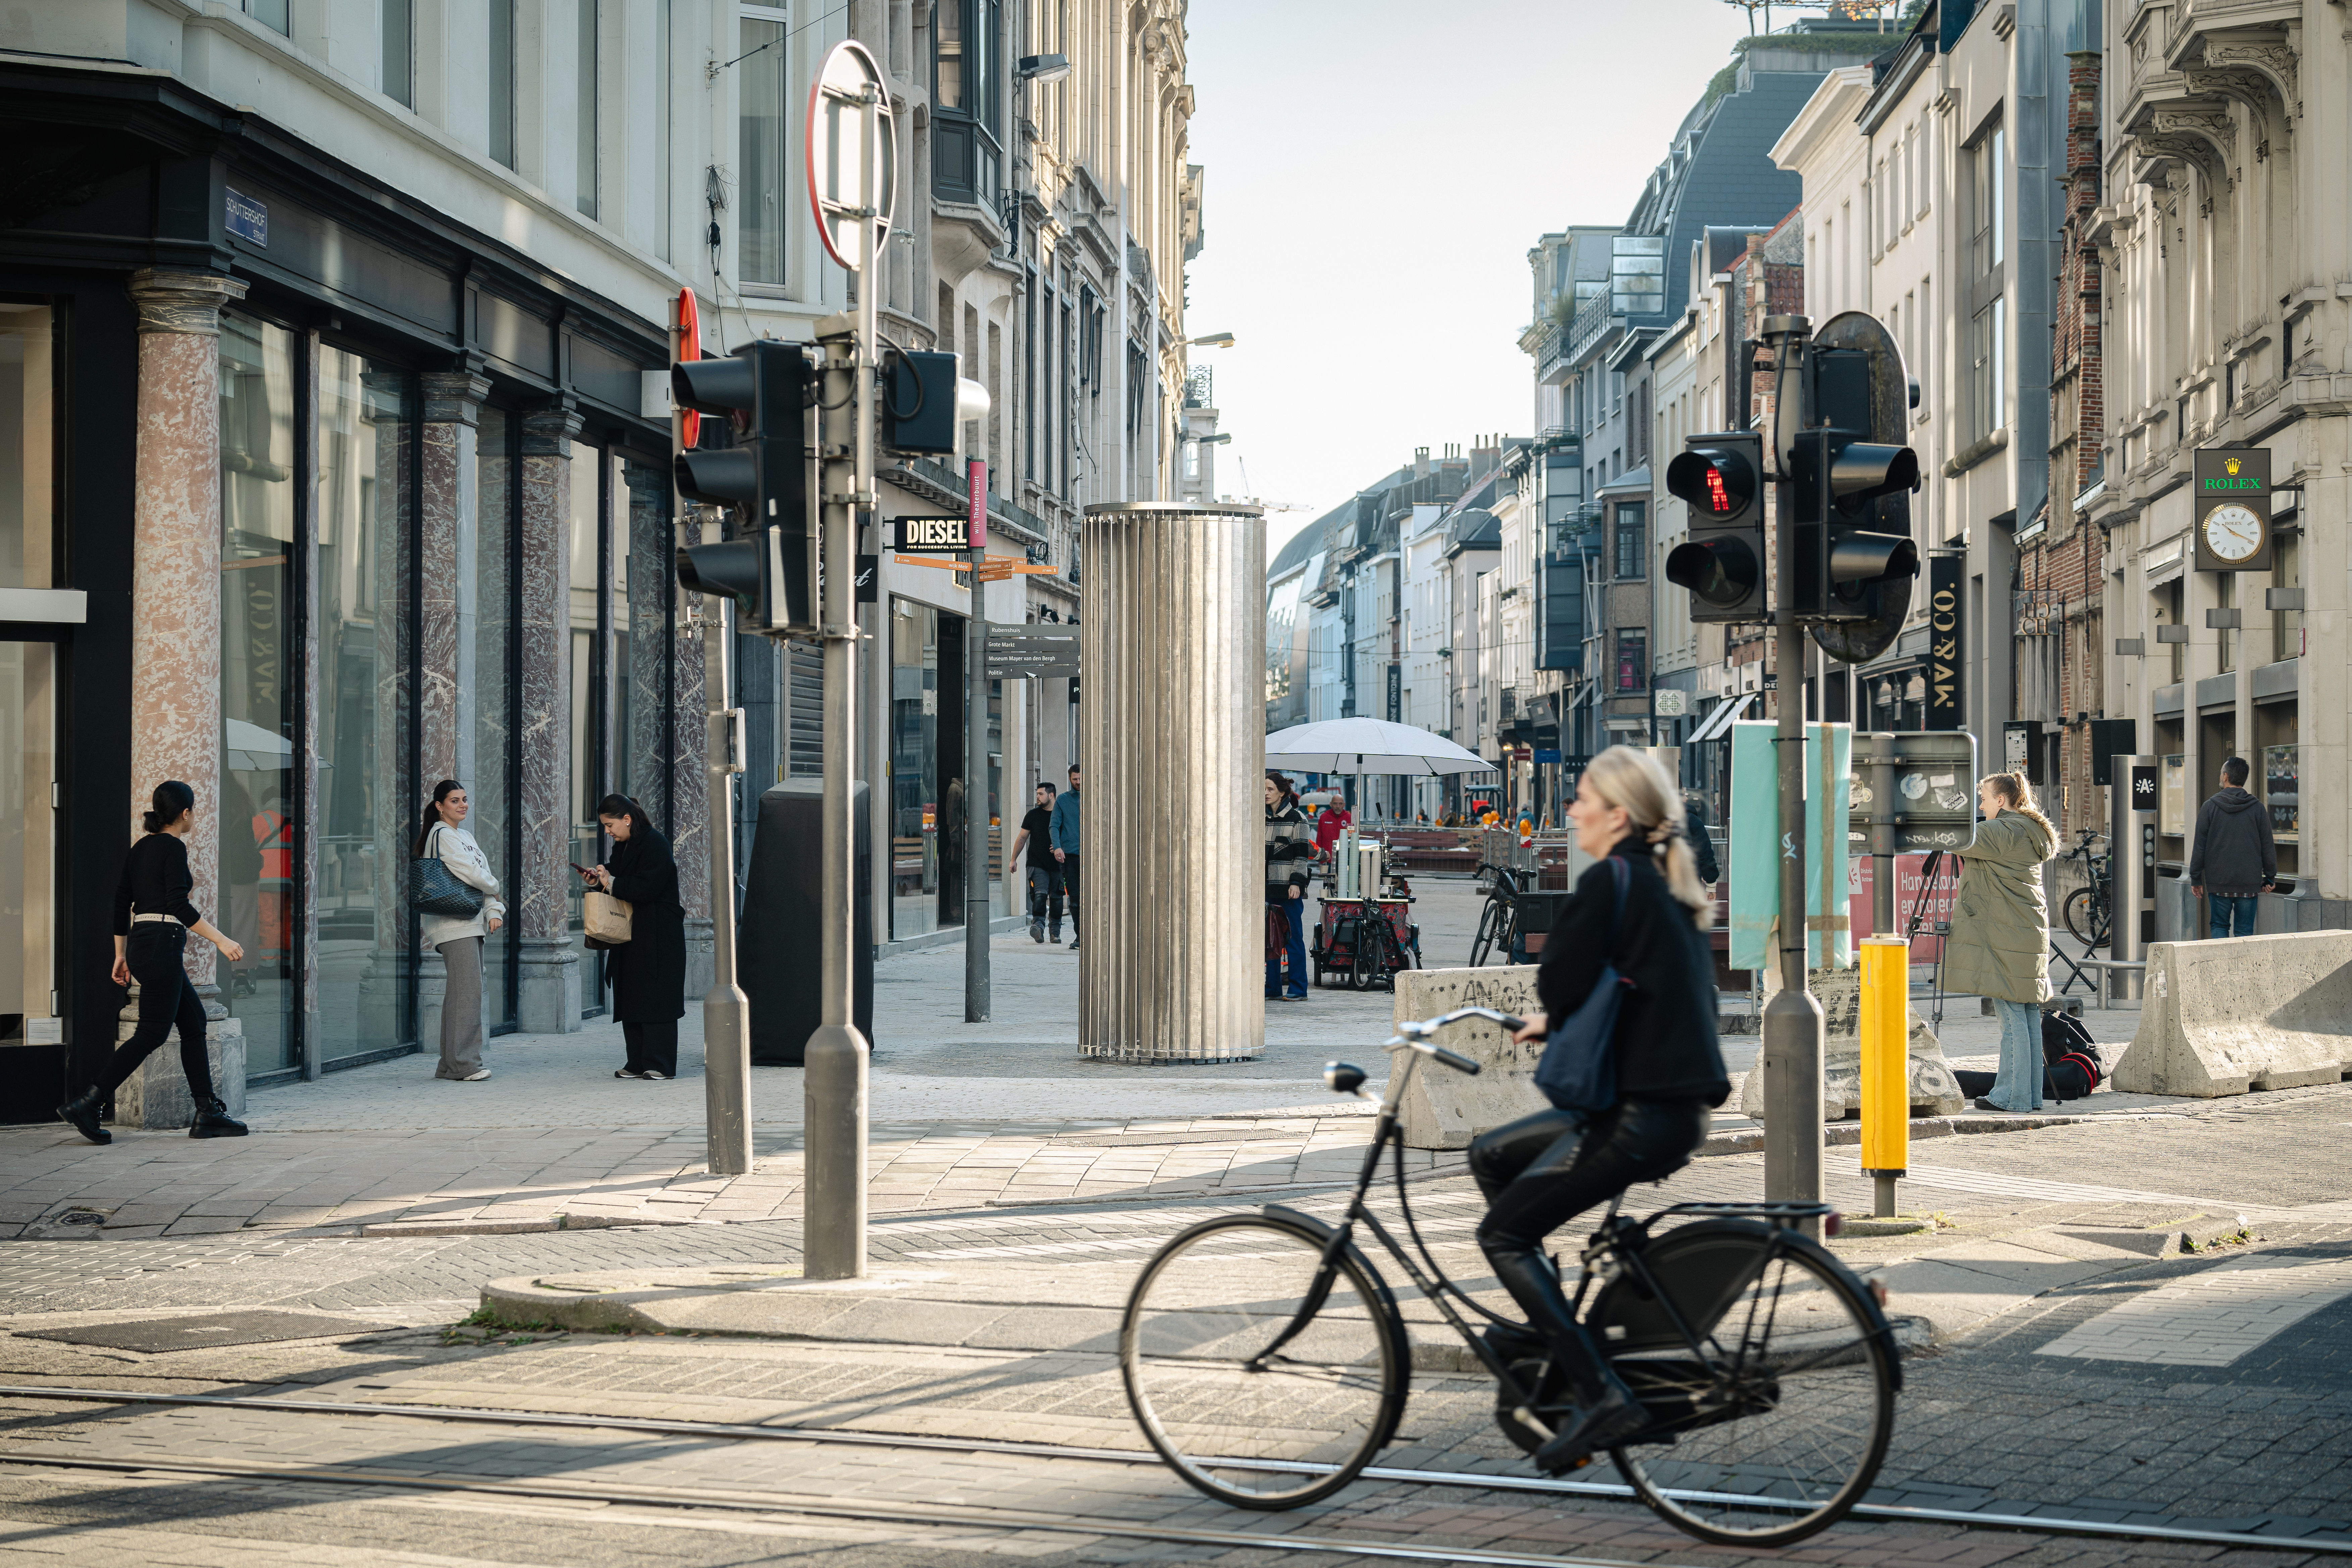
x=646, y=972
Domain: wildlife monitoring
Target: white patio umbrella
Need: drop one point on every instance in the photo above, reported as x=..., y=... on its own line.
x=1369, y=746
x=252, y=749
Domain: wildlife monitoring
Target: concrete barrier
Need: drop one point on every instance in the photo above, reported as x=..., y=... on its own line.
x=1934, y=1091
x=2252, y=1011
x=1444, y=1108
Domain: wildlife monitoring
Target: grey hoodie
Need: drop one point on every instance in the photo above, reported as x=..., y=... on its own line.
x=2233, y=856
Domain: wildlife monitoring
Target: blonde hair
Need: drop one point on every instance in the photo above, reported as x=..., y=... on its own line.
x=1622, y=777
x=2016, y=794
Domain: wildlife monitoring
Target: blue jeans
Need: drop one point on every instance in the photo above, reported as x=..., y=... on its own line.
x=2017, y=1086
x=1295, y=947
x=2227, y=913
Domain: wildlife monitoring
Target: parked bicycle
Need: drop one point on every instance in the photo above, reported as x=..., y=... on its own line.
x=2087, y=911
x=1267, y=1361
x=1498, y=922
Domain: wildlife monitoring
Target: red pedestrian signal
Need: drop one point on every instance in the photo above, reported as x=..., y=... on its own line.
x=1722, y=562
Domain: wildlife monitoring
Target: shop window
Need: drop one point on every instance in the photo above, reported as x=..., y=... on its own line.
x=28, y=471
x=490, y=774
x=587, y=657
x=257, y=799
x=363, y=716
x=762, y=169
x=2278, y=774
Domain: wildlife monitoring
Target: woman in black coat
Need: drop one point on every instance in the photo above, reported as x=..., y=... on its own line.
x=1541, y=1171
x=647, y=972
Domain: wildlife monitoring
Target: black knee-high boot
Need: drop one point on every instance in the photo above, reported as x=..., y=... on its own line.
x=1606, y=1409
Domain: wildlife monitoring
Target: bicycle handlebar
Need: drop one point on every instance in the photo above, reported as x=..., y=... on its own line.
x=1416, y=1035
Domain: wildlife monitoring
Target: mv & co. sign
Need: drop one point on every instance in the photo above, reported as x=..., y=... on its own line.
x=1947, y=642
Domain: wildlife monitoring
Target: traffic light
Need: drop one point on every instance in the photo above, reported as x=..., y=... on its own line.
x=1849, y=562
x=918, y=401
x=1721, y=477
x=771, y=569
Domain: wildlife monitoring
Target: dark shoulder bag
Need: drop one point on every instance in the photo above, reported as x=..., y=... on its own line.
x=1578, y=1070
x=435, y=891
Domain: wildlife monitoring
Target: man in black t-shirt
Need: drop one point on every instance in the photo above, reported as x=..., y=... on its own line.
x=1045, y=877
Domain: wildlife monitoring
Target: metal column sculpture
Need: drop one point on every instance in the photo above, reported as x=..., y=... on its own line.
x=1171, y=737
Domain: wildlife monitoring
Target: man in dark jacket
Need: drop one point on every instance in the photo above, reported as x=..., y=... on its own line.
x=2234, y=860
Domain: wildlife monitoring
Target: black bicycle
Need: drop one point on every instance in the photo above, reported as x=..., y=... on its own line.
x=1267, y=1361
x=1498, y=922
x=2086, y=910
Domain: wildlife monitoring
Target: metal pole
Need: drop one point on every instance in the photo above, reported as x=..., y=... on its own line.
x=976, y=910
x=833, y=1199
x=726, y=1018
x=1792, y=1018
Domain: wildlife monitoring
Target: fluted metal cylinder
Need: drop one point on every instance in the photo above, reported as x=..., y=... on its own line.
x=1171, y=737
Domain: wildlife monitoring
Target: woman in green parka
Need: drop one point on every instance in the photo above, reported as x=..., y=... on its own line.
x=1999, y=945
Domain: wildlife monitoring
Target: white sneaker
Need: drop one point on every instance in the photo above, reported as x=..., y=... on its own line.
x=654, y=1075
x=475, y=1077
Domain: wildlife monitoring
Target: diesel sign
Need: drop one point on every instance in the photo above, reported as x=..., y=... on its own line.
x=934, y=535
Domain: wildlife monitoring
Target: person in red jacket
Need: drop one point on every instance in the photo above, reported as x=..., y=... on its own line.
x=1332, y=821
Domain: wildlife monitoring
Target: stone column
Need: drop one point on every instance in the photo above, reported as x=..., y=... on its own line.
x=450, y=407
x=176, y=630
x=550, y=1000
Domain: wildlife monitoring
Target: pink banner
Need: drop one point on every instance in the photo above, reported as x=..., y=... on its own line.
x=1910, y=870
x=976, y=470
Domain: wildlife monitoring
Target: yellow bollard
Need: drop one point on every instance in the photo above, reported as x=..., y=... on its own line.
x=1885, y=1074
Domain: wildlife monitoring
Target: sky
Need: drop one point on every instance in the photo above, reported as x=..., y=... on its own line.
x=1377, y=172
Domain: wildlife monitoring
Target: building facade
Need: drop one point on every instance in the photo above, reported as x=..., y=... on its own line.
x=337, y=340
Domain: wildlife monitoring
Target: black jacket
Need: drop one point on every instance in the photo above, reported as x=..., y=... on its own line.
x=1289, y=846
x=1667, y=1045
x=647, y=972
x=1702, y=845
x=2234, y=855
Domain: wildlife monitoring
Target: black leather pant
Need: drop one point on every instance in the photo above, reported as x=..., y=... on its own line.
x=154, y=951
x=1540, y=1171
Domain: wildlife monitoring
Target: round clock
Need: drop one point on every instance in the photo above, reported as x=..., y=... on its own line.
x=2233, y=532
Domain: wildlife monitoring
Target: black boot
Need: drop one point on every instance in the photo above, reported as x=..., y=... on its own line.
x=82, y=1112
x=1606, y=1410
x=213, y=1119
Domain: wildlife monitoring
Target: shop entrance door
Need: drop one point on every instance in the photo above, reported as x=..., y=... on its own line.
x=30, y=1031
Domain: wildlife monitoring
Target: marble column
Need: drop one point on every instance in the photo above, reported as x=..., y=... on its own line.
x=176, y=630
x=382, y=1021
x=550, y=1000
x=449, y=410
x=667, y=742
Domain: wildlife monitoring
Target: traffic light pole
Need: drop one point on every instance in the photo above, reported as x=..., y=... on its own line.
x=833, y=1086
x=978, y=917
x=1792, y=1018
x=726, y=1011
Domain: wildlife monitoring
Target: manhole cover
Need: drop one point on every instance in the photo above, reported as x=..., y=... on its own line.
x=155, y=1334
x=80, y=1216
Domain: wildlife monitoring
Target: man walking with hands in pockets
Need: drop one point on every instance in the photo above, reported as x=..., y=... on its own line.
x=1064, y=829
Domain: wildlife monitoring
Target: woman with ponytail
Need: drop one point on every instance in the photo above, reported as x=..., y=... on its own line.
x=1541, y=1171
x=152, y=918
x=1999, y=945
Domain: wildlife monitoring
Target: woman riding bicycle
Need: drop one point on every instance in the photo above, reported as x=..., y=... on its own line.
x=1543, y=1170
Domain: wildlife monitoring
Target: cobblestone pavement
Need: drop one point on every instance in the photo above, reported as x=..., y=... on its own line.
x=1987, y=1421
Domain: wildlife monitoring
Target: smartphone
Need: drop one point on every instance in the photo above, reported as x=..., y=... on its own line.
x=579, y=868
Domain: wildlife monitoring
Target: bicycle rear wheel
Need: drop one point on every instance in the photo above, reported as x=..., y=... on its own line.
x=1242, y=1407
x=2086, y=918
x=1786, y=1430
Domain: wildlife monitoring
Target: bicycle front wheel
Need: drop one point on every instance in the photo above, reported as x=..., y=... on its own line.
x=1263, y=1380
x=1785, y=1430
x=1489, y=920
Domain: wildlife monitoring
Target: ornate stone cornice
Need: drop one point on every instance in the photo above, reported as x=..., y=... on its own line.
x=2276, y=62
x=549, y=432
x=183, y=302
x=453, y=396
